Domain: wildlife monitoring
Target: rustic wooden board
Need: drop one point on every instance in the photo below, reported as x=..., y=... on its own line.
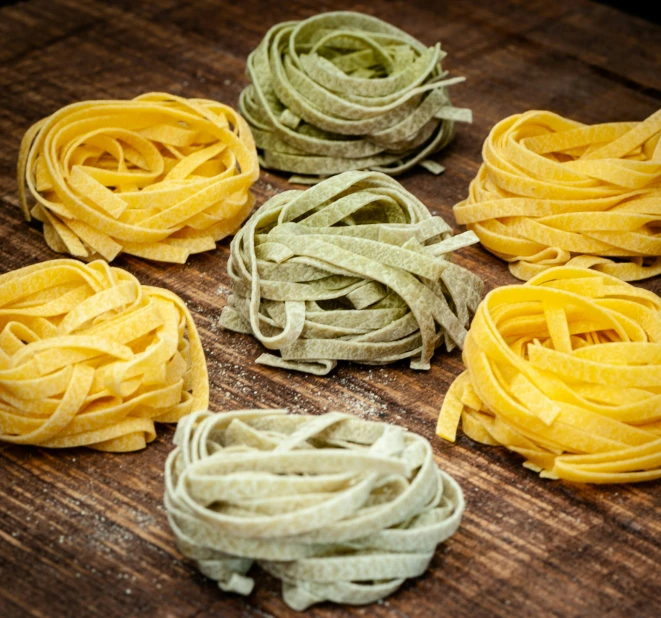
x=84, y=533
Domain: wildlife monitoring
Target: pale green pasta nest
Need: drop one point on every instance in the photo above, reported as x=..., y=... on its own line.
x=355, y=268
x=346, y=91
x=338, y=508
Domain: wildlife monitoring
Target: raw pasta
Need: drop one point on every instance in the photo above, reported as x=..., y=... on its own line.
x=552, y=191
x=159, y=177
x=343, y=91
x=566, y=371
x=355, y=268
x=89, y=357
x=338, y=508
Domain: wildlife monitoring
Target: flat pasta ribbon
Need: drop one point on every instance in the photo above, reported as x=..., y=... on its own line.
x=89, y=357
x=566, y=371
x=552, y=191
x=355, y=268
x=345, y=91
x=338, y=508
x=159, y=176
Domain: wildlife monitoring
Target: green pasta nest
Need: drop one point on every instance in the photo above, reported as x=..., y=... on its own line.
x=345, y=91
x=338, y=508
x=355, y=268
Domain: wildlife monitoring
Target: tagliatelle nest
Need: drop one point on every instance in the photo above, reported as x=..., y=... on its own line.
x=346, y=91
x=355, y=268
x=338, y=508
x=552, y=191
x=566, y=371
x=89, y=357
x=159, y=176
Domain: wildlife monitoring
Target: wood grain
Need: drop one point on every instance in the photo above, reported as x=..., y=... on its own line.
x=84, y=533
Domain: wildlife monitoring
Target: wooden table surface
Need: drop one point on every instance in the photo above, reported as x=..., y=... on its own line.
x=83, y=534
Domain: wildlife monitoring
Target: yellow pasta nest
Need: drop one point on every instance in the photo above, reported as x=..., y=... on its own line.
x=552, y=191
x=89, y=357
x=566, y=371
x=159, y=177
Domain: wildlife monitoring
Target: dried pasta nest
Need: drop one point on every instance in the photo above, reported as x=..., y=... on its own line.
x=355, y=268
x=554, y=192
x=344, y=91
x=89, y=357
x=159, y=177
x=566, y=371
x=338, y=508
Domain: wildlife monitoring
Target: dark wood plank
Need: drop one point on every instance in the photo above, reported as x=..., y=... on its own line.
x=84, y=533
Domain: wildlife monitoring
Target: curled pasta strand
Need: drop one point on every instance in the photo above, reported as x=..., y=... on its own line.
x=355, y=268
x=346, y=91
x=553, y=191
x=338, y=508
x=89, y=357
x=566, y=371
x=159, y=176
